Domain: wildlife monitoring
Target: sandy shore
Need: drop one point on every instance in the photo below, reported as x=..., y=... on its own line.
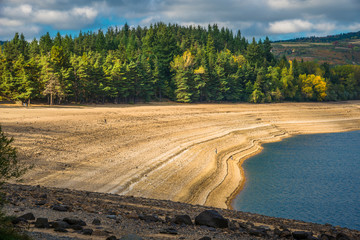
x=179, y=152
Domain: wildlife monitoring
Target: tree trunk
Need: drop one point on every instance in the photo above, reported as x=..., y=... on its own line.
x=51, y=99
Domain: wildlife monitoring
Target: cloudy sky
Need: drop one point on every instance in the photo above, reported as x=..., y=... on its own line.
x=278, y=19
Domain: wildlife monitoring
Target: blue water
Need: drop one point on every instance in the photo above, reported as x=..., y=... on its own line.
x=314, y=178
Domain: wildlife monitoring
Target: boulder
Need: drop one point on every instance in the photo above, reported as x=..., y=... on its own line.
x=74, y=221
x=342, y=236
x=301, y=234
x=42, y=223
x=259, y=232
x=40, y=203
x=60, y=224
x=111, y=238
x=96, y=222
x=211, y=218
x=28, y=216
x=61, y=208
x=87, y=231
x=149, y=218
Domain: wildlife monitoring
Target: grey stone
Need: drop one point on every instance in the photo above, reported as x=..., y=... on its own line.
x=96, y=221
x=60, y=224
x=149, y=218
x=28, y=216
x=87, y=231
x=342, y=236
x=74, y=221
x=211, y=218
x=111, y=238
x=61, y=208
x=301, y=234
x=42, y=223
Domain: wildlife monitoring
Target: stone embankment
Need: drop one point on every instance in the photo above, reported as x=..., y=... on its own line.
x=57, y=213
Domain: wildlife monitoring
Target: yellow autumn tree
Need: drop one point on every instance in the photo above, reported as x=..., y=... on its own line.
x=313, y=87
x=184, y=76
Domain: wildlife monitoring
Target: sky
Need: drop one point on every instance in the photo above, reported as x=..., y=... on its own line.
x=278, y=19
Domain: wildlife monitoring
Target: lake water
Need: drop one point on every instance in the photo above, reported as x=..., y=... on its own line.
x=314, y=178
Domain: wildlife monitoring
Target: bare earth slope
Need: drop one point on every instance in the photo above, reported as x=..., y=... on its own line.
x=178, y=152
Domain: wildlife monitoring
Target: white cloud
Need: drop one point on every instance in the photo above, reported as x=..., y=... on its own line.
x=77, y=17
x=290, y=26
x=87, y=12
x=282, y=4
x=5, y=22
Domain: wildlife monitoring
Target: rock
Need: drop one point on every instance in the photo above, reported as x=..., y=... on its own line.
x=283, y=227
x=61, y=208
x=96, y=221
x=28, y=216
x=301, y=234
x=111, y=238
x=60, y=224
x=342, y=236
x=286, y=234
x=183, y=219
x=42, y=223
x=243, y=225
x=132, y=215
x=131, y=237
x=43, y=196
x=211, y=218
x=74, y=221
x=205, y=238
x=76, y=227
x=60, y=230
x=266, y=228
x=149, y=218
x=233, y=225
x=259, y=232
x=327, y=237
x=18, y=220
x=99, y=233
x=87, y=231
x=111, y=217
x=40, y=203
x=171, y=231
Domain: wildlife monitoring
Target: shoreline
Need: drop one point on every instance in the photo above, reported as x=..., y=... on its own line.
x=230, y=200
x=161, y=151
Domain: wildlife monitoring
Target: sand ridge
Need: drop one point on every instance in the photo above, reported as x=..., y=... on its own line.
x=181, y=152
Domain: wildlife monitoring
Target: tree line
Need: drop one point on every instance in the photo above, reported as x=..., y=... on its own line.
x=327, y=39
x=184, y=64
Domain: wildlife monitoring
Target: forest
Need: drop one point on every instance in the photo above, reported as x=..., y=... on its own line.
x=327, y=39
x=164, y=61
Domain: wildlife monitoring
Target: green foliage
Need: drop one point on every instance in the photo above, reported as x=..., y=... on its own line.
x=143, y=64
x=9, y=168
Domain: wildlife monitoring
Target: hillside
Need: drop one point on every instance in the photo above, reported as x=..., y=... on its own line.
x=337, y=50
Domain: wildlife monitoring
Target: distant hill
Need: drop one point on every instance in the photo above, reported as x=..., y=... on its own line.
x=2, y=42
x=327, y=39
x=336, y=49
